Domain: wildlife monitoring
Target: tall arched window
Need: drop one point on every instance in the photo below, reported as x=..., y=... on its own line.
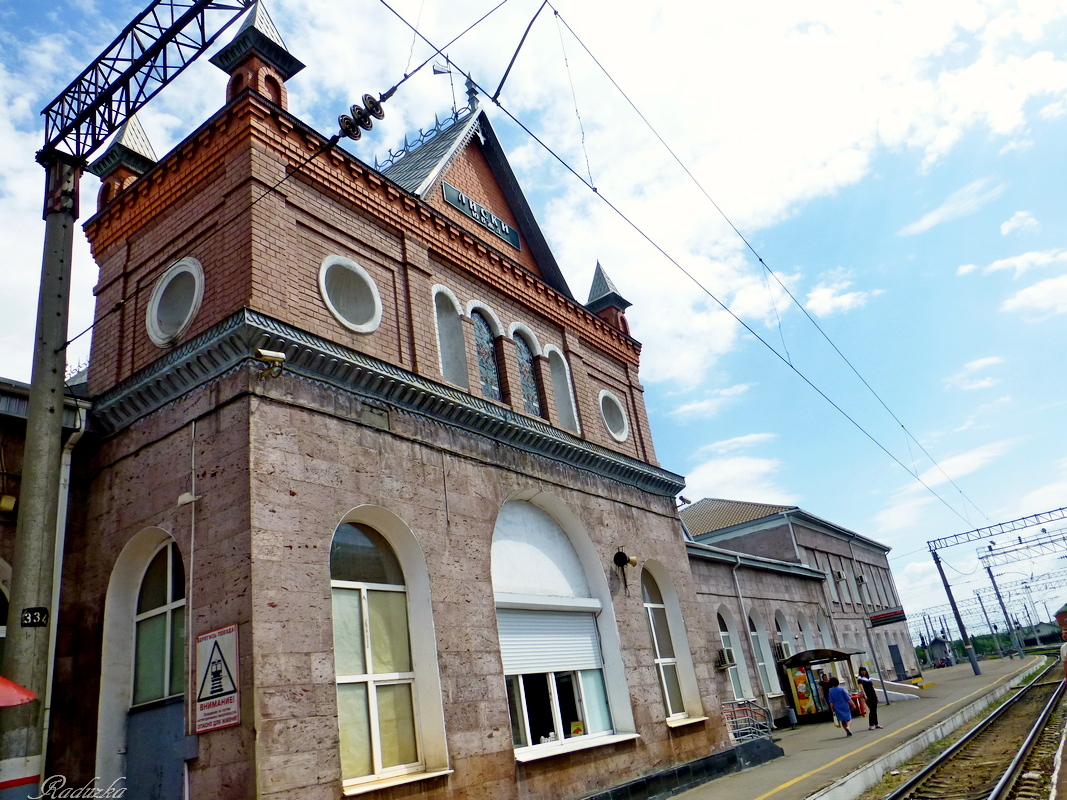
x=372, y=655
x=564, y=689
x=807, y=641
x=450, y=346
x=531, y=395
x=784, y=634
x=764, y=659
x=488, y=366
x=159, y=652
x=733, y=659
x=662, y=646
x=561, y=388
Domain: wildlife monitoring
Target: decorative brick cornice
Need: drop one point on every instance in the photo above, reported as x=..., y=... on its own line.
x=231, y=345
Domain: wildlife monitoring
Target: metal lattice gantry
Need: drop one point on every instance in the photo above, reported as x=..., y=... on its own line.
x=1003, y=527
x=1053, y=543
x=157, y=45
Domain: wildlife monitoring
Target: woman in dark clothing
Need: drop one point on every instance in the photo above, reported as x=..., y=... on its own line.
x=872, y=697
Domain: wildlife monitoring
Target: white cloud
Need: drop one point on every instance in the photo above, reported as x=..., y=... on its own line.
x=960, y=203
x=735, y=444
x=966, y=380
x=1047, y=297
x=1020, y=263
x=1019, y=221
x=710, y=406
x=739, y=478
x=831, y=295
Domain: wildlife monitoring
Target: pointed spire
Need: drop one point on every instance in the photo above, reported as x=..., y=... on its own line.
x=603, y=292
x=129, y=148
x=258, y=34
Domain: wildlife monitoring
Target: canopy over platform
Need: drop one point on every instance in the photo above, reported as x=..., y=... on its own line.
x=807, y=658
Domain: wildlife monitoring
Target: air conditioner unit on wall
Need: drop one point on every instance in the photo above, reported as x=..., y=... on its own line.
x=782, y=651
x=861, y=579
x=839, y=575
x=726, y=658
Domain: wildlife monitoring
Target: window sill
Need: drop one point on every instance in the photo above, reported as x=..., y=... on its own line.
x=683, y=721
x=538, y=752
x=399, y=780
x=775, y=695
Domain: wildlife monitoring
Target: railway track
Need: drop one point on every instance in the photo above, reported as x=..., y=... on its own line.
x=1008, y=756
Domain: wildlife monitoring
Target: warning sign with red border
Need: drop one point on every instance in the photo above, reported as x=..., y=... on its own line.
x=218, y=699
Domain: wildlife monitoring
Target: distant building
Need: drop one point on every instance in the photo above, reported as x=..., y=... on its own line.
x=807, y=583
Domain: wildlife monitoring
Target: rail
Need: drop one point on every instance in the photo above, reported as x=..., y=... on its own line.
x=747, y=720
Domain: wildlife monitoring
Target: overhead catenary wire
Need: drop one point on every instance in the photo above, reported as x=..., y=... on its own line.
x=327, y=146
x=771, y=272
x=656, y=246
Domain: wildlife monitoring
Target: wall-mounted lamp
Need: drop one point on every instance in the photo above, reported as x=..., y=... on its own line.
x=7, y=502
x=185, y=498
x=623, y=560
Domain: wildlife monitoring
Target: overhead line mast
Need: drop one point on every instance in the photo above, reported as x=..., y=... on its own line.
x=149, y=53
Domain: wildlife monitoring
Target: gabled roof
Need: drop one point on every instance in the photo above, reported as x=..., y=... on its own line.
x=419, y=165
x=713, y=514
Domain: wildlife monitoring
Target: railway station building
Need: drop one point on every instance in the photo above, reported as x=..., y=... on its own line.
x=364, y=501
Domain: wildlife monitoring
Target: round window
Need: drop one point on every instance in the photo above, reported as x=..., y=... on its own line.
x=614, y=416
x=175, y=300
x=350, y=294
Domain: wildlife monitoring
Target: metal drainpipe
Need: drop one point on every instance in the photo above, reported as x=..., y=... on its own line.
x=746, y=635
x=57, y=571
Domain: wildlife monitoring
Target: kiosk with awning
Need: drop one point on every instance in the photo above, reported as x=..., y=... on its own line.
x=801, y=673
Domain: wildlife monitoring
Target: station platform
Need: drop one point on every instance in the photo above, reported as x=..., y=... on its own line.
x=820, y=762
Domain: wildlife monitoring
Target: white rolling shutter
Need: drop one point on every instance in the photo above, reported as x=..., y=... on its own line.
x=547, y=641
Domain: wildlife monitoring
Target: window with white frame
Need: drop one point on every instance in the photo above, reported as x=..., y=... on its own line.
x=561, y=388
x=732, y=670
x=759, y=651
x=159, y=649
x=555, y=672
x=662, y=646
x=488, y=363
x=785, y=635
x=372, y=656
x=450, y=343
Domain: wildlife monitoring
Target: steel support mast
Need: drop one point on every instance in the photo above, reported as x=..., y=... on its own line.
x=149, y=53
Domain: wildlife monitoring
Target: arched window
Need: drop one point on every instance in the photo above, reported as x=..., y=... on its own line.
x=531, y=395
x=488, y=366
x=785, y=635
x=557, y=676
x=822, y=625
x=561, y=388
x=372, y=656
x=662, y=646
x=764, y=659
x=733, y=658
x=808, y=643
x=159, y=652
x=450, y=346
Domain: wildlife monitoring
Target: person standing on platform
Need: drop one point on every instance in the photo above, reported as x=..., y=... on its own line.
x=872, y=698
x=1063, y=654
x=841, y=703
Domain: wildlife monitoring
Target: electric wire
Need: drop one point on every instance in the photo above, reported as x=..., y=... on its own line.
x=769, y=271
x=655, y=245
x=574, y=96
x=329, y=145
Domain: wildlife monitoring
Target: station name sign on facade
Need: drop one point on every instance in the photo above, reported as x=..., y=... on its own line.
x=888, y=617
x=480, y=214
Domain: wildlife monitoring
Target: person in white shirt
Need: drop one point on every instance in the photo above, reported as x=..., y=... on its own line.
x=1063, y=655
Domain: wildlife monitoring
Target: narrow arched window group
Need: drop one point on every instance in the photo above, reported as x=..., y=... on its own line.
x=490, y=376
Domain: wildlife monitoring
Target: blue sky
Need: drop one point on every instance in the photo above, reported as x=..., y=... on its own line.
x=898, y=165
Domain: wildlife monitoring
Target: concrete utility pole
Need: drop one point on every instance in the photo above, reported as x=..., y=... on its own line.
x=967, y=646
x=26, y=648
x=1012, y=638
